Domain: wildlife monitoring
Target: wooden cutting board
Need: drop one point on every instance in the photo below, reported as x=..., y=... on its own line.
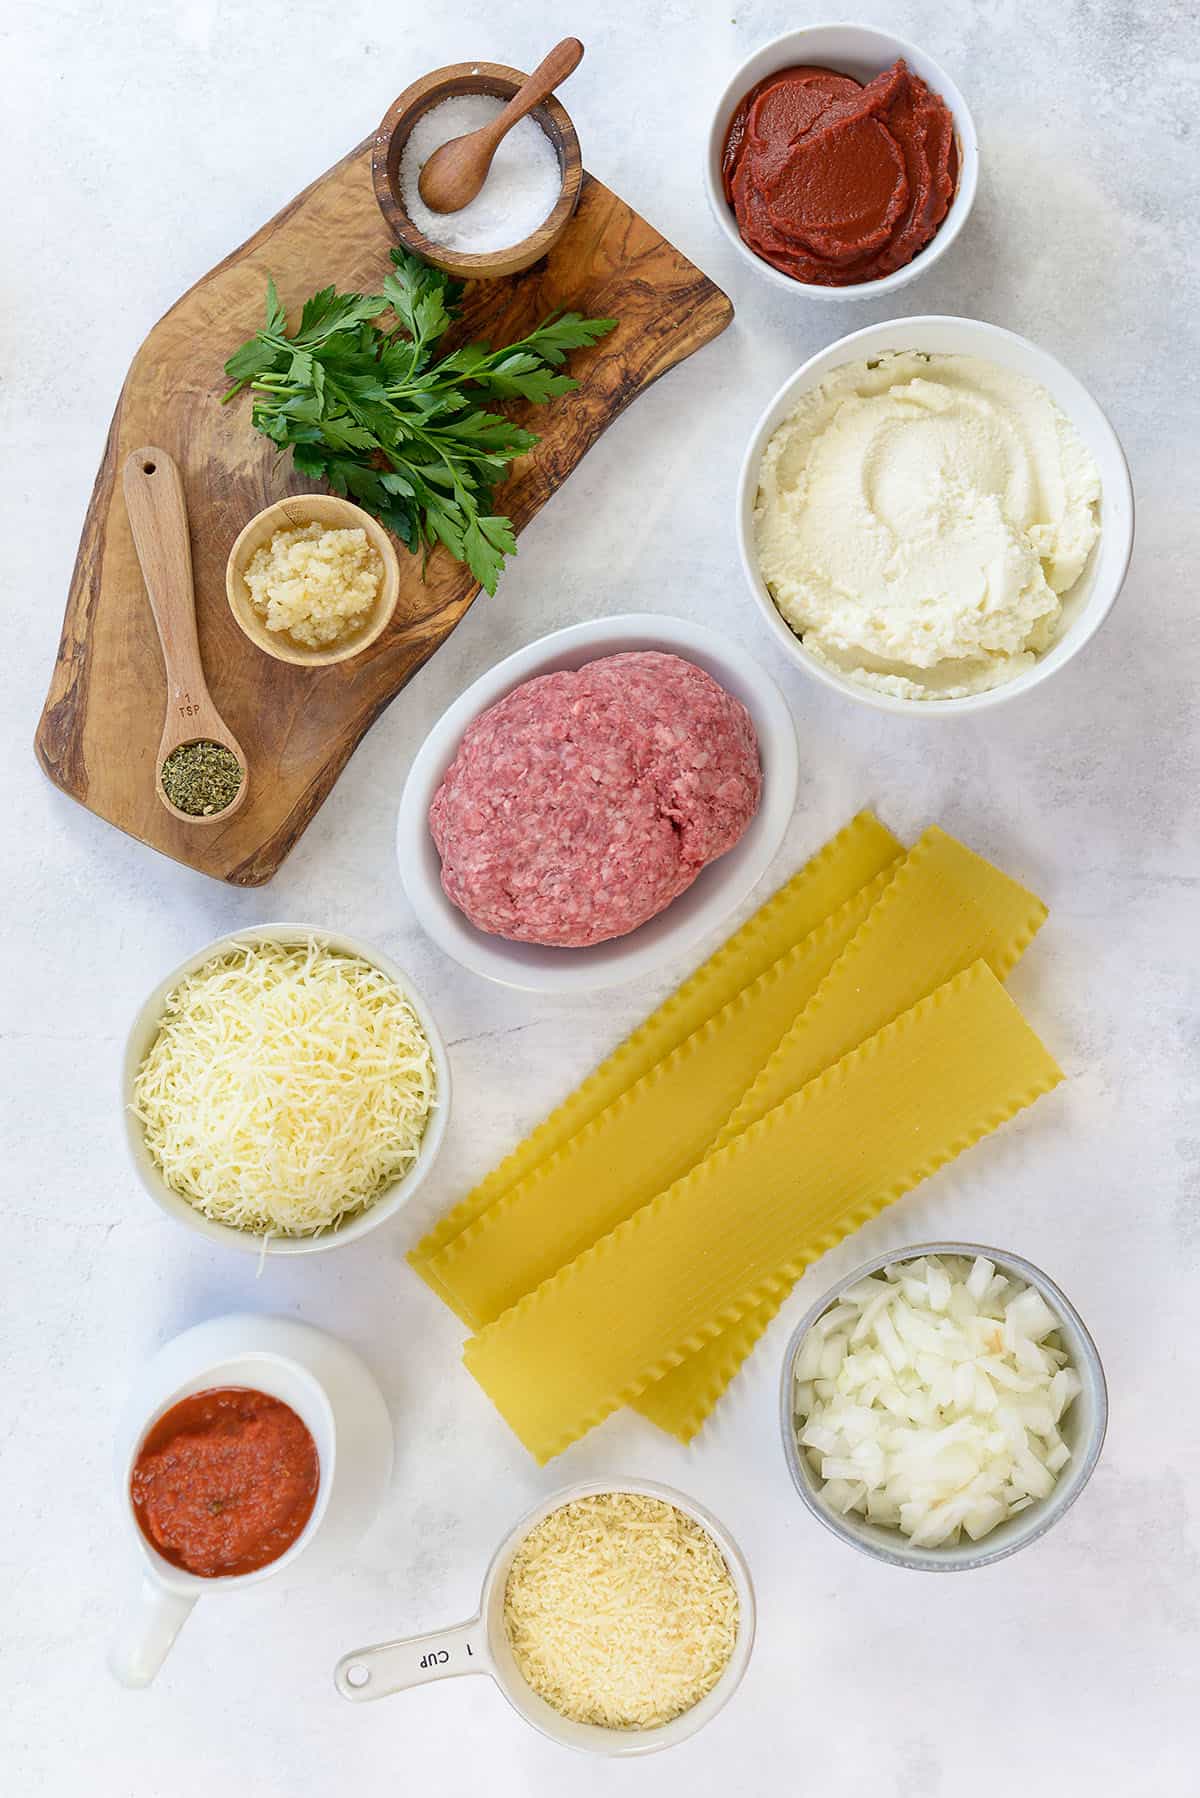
x=99, y=730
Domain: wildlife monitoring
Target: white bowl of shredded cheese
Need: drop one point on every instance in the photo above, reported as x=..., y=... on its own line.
x=942, y=1407
x=285, y=1090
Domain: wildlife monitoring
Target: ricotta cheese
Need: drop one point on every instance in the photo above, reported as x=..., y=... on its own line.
x=920, y=518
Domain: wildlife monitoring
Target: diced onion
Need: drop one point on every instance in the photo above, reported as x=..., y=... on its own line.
x=929, y=1399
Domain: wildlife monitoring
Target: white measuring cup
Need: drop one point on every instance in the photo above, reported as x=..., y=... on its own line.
x=481, y=1646
x=331, y=1392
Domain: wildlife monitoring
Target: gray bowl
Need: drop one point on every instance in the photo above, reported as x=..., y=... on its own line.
x=1083, y=1428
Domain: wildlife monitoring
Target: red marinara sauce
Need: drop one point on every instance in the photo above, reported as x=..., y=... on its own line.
x=225, y=1481
x=835, y=183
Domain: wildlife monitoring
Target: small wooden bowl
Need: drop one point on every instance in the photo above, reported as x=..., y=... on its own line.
x=444, y=84
x=294, y=513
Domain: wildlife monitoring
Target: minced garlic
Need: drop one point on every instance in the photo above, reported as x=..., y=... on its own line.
x=316, y=584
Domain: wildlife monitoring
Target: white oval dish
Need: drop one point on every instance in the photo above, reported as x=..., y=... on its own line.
x=1091, y=599
x=331, y=1392
x=711, y=898
x=391, y=1200
x=481, y=1645
x=862, y=51
x=1083, y=1429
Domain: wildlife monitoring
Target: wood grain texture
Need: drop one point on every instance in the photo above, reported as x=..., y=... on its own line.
x=157, y=511
x=99, y=731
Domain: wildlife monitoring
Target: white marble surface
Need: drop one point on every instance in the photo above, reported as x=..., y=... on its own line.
x=141, y=143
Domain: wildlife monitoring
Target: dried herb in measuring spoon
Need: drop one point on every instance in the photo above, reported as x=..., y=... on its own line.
x=201, y=778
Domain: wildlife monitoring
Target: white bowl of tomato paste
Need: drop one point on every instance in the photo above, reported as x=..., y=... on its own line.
x=699, y=908
x=842, y=161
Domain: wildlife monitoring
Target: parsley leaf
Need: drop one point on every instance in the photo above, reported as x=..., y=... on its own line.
x=388, y=422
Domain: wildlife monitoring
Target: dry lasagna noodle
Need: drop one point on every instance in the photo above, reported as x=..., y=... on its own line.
x=842, y=868
x=945, y=908
x=744, y=1224
x=635, y=1147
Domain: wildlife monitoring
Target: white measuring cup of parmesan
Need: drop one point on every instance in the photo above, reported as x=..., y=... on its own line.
x=481, y=1645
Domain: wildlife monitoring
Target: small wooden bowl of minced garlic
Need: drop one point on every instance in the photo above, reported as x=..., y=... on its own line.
x=313, y=580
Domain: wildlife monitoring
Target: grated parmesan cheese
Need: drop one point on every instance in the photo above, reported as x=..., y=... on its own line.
x=620, y=1611
x=287, y=1087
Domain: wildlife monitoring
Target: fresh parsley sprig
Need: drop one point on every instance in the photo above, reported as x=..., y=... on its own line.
x=385, y=419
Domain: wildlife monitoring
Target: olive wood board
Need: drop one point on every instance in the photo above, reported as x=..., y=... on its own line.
x=99, y=730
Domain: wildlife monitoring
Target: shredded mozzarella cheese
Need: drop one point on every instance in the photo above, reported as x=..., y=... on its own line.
x=620, y=1611
x=287, y=1087
x=928, y=1399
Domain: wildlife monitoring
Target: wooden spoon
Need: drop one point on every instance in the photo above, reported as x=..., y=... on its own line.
x=158, y=517
x=457, y=170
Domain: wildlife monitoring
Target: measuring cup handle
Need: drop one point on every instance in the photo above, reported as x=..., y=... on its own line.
x=148, y=1636
x=415, y=1660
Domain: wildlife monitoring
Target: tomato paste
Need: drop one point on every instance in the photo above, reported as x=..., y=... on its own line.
x=225, y=1481
x=833, y=182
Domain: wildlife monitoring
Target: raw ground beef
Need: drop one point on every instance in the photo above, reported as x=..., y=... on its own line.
x=582, y=803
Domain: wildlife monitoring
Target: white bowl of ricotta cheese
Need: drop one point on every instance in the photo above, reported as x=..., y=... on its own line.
x=934, y=516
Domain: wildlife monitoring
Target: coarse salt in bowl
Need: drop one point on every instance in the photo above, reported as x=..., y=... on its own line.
x=717, y=890
x=412, y=117
x=522, y=183
x=862, y=51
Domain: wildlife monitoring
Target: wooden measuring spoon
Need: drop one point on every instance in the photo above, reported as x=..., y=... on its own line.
x=158, y=518
x=457, y=170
